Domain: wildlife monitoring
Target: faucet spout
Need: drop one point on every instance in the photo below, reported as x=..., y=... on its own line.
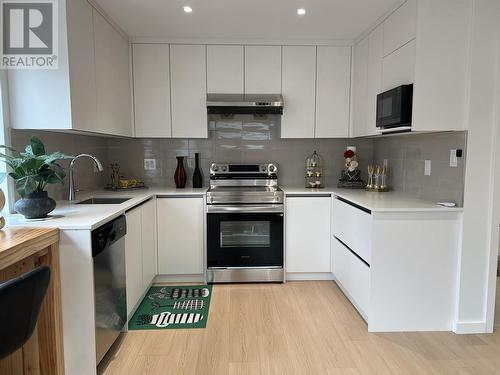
x=98, y=166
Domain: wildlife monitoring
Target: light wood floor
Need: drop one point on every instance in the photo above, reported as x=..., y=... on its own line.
x=297, y=328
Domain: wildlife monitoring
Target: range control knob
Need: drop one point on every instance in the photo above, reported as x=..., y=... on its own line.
x=272, y=168
x=214, y=167
x=263, y=168
x=224, y=168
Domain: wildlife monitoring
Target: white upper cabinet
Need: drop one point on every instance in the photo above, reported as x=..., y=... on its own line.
x=112, y=79
x=423, y=42
x=333, y=92
x=441, y=68
x=82, y=66
x=188, y=91
x=151, y=66
x=225, y=69
x=90, y=89
x=374, y=78
x=398, y=68
x=299, y=87
x=262, y=69
x=400, y=26
x=359, y=87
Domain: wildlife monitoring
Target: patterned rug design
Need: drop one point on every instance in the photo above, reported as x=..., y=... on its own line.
x=172, y=307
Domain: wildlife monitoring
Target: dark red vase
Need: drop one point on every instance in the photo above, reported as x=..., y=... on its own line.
x=180, y=175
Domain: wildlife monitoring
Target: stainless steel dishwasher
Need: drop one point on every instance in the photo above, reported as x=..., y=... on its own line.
x=110, y=294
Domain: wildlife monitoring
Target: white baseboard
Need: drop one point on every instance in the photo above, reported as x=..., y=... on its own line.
x=304, y=276
x=159, y=279
x=470, y=327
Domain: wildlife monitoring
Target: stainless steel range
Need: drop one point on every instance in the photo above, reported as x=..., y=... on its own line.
x=244, y=224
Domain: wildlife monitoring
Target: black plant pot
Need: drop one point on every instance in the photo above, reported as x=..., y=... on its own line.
x=35, y=205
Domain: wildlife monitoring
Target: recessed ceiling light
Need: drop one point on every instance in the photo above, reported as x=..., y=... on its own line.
x=301, y=11
x=188, y=9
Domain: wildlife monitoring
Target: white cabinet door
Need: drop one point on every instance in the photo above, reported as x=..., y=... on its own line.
x=262, y=69
x=112, y=79
x=307, y=234
x=149, y=253
x=133, y=258
x=225, y=69
x=374, y=78
x=180, y=235
x=82, y=66
x=359, y=87
x=299, y=87
x=398, y=68
x=188, y=91
x=151, y=67
x=333, y=85
x=400, y=27
x=443, y=51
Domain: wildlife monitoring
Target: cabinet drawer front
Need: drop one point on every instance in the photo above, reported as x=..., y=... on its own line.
x=353, y=275
x=400, y=27
x=353, y=227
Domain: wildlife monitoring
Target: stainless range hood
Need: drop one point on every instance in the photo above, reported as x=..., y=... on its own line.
x=244, y=104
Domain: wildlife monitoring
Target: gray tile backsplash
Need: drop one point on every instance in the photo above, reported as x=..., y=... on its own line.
x=85, y=176
x=242, y=139
x=245, y=139
x=406, y=155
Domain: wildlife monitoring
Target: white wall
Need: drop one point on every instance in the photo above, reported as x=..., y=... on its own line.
x=478, y=197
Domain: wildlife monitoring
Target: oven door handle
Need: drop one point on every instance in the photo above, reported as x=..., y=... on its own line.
x=268, y=208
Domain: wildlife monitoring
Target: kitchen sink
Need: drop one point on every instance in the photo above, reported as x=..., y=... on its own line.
x=104, y=201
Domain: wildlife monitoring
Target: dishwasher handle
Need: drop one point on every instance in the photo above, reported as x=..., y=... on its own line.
x=108, y=234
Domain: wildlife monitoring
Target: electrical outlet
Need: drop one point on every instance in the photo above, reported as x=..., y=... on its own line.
x=427, y=167
x=453, y=159
x=149, y=164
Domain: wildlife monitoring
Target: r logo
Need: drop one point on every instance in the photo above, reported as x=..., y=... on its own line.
x=27, y=28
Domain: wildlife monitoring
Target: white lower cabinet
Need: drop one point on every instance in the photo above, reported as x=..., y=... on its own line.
x=308, y=234
x=180, y=235
x=398, y=268
x=140, y=252
x=353, y=275
x=149, y=254
x=133, y=258
x=353, y=226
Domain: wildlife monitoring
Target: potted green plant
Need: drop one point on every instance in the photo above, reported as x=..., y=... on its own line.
x=32, y=171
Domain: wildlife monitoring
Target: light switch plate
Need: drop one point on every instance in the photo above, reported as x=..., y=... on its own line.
x=427, y=167
x=149, y=164
x=453, y=159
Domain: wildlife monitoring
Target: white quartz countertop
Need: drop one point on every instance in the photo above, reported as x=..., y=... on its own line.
x=69, y=215
x=376, y=202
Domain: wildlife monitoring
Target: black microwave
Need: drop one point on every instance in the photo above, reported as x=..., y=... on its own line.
x=394, y=108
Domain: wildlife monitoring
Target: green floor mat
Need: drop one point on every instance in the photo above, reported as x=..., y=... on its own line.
x=171, y=307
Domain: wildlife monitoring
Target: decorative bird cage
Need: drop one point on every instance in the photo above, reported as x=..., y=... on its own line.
x=314, y=171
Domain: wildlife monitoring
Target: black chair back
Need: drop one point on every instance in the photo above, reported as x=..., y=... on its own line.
x=20, y=302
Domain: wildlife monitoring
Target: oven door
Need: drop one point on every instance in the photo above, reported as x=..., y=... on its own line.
x=244, y=239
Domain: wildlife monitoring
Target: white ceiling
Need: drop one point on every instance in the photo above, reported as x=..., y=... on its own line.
x=246, y=19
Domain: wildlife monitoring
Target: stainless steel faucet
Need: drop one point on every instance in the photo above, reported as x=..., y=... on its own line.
x=71, y=178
